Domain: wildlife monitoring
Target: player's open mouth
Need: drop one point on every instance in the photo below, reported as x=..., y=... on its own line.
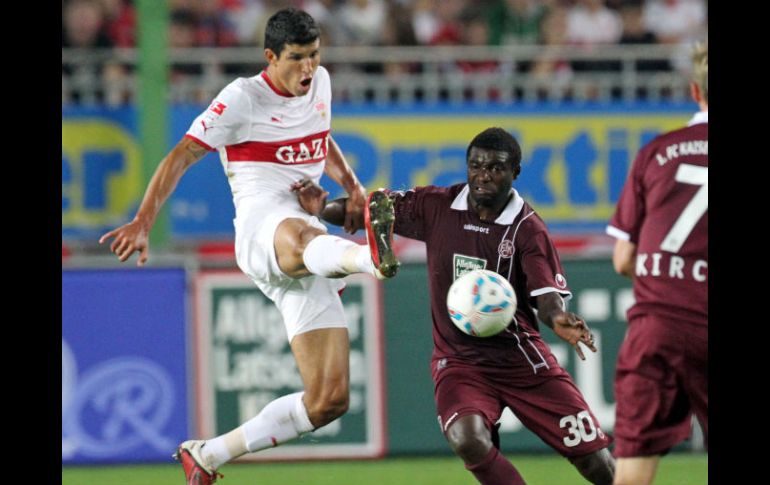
x=482, y=190
x=306, y=82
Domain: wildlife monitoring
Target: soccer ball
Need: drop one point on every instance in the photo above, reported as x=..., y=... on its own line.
x=481, y=303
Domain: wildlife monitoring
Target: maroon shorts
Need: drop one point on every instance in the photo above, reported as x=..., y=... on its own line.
x=661, y=378
x=548, y=404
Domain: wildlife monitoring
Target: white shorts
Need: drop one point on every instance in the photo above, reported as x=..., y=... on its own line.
x=308, y=303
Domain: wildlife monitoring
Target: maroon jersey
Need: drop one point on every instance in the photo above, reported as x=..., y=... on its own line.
x=663, y=209
x=516, y=245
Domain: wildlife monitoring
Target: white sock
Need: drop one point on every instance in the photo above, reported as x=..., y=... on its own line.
x=335, y=257
x=218, y=451
x=280, y=421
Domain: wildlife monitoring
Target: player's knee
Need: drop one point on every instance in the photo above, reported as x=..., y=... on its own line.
x=328, y=405
x=291, y=239
x=598, y=467
x=304, y=237
x=469, y=443
x=306, y=234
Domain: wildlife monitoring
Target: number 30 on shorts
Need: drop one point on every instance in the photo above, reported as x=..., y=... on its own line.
x=580, y=428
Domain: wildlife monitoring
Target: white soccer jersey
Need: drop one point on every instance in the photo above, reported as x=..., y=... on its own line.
x=267, y=139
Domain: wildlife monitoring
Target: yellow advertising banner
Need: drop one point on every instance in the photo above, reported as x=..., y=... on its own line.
x=574, y=162
x=573, y=167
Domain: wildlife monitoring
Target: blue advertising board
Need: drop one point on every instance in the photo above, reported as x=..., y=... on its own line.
x=124, y=365
x=574, y=160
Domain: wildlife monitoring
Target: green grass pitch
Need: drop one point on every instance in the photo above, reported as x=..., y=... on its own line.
x=675, y=469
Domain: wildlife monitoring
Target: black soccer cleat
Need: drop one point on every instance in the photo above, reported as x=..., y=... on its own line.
x=379, y=218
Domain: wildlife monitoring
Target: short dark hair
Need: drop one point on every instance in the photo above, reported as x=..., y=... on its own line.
x=500, y=140
x=290, y=26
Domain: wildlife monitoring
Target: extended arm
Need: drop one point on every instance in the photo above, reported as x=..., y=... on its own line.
x=569, y=326
x=623, y=257
x=134, y=236
x=337, y=169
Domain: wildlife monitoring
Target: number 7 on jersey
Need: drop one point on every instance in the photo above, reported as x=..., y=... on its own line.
x=695, y=175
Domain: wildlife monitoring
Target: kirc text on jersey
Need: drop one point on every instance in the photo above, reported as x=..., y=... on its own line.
x=665, y=265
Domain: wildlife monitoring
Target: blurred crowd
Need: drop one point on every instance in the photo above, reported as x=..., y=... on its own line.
x=588, y=24
x=227, y=23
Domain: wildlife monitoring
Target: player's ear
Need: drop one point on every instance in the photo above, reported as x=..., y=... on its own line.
x=695, y=92
x=270, y=56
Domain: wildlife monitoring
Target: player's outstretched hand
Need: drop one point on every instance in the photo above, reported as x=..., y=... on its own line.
x=312, y=197
x=354, y=210
x=573, y=329
x=129, y=238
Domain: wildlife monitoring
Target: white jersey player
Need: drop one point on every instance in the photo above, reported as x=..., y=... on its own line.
x=272, y=130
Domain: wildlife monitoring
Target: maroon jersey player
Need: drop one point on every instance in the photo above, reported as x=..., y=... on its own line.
x=661, y=224
x=486, y=224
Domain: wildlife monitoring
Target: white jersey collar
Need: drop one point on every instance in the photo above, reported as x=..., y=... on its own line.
x=700, y=117
x=505, y=218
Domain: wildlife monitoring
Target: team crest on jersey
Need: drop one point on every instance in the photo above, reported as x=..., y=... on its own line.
x=505, y=249
x=561, y=282
x=463, y=264
x=320, y=107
